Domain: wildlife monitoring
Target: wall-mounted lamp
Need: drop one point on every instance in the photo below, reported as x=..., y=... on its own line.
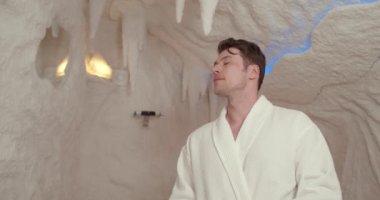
x=145, y=114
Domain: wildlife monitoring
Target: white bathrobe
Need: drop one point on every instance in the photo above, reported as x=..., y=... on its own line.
x=279, y=154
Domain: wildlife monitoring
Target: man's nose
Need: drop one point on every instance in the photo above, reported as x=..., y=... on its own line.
x=216, y=69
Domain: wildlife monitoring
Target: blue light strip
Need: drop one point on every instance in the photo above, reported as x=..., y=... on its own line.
x=307, y=43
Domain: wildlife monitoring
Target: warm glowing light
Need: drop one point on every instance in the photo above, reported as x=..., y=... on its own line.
x=61, y=68
x=97, y=66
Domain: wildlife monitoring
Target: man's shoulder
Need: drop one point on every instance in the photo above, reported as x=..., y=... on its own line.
x=286, y=113
x=293, y=123
x=292, y=115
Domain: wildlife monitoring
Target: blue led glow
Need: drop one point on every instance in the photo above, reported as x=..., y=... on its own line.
x=307, y=42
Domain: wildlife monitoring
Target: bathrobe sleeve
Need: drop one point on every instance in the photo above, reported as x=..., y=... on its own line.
x=183, y=187
x=315, y=172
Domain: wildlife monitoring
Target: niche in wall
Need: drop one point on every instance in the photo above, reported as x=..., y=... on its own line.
x=52, y=59
x=52, y=52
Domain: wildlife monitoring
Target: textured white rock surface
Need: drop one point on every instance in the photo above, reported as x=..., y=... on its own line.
x=133, y=28
x=38, y=121
x=76, y=139
x=337, y=83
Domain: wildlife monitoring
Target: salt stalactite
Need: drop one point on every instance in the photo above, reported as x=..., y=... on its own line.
x=132, y=15
x=55, y=29
x=185, y=83
x=195, y=74
x=96, y=12
x=195, y=79
x=179, y=6
x=208, y=8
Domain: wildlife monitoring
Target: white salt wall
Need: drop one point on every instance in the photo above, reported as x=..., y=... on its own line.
x=337, y=83
x=75, y=138
x=120, y=159
x=38, y=121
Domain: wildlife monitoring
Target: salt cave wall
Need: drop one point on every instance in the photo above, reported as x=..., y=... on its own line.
x=38, y=120
x=336, y=83
x=119, y=157
x=335, y=65
x=75, y=137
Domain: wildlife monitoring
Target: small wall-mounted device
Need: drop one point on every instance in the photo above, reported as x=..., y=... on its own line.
x=146, y=114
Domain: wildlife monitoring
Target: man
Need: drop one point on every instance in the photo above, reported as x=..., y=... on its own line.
x=253, y=150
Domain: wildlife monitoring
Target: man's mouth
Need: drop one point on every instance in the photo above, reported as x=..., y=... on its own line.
x=218, y=79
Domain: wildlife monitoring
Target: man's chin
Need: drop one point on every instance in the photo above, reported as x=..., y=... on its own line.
x=219, y=93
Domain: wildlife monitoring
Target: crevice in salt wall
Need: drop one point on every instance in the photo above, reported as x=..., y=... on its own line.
x=52, y=51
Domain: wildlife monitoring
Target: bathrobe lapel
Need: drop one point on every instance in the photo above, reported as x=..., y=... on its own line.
x=253, y=124
x=228, y=153
x=231, y=153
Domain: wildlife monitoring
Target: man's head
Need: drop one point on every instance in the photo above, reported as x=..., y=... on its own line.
x=238, y=63
x=249, y=51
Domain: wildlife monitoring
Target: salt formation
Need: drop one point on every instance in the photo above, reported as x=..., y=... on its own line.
x=96, y=12
x=192, y=66
x=132, y=15
x=55, y=29
x=180, y=6
x=193, y=91
x=207, y=8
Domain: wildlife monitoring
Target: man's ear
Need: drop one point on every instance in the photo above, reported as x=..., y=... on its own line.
x=253, y=71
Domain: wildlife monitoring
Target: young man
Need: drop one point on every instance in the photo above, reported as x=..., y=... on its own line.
x=253, y=150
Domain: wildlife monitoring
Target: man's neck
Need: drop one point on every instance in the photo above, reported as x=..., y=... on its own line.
x=238, y=108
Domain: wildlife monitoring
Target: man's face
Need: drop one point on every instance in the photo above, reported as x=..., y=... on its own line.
x=229, y=73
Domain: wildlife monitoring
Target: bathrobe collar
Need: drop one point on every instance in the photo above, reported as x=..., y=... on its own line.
x=232, y=153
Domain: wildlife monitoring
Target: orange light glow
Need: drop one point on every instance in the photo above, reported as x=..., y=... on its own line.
x=61, y=68
x=95, y=65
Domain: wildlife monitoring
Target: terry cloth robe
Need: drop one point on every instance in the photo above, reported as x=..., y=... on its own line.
x=279, y=154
